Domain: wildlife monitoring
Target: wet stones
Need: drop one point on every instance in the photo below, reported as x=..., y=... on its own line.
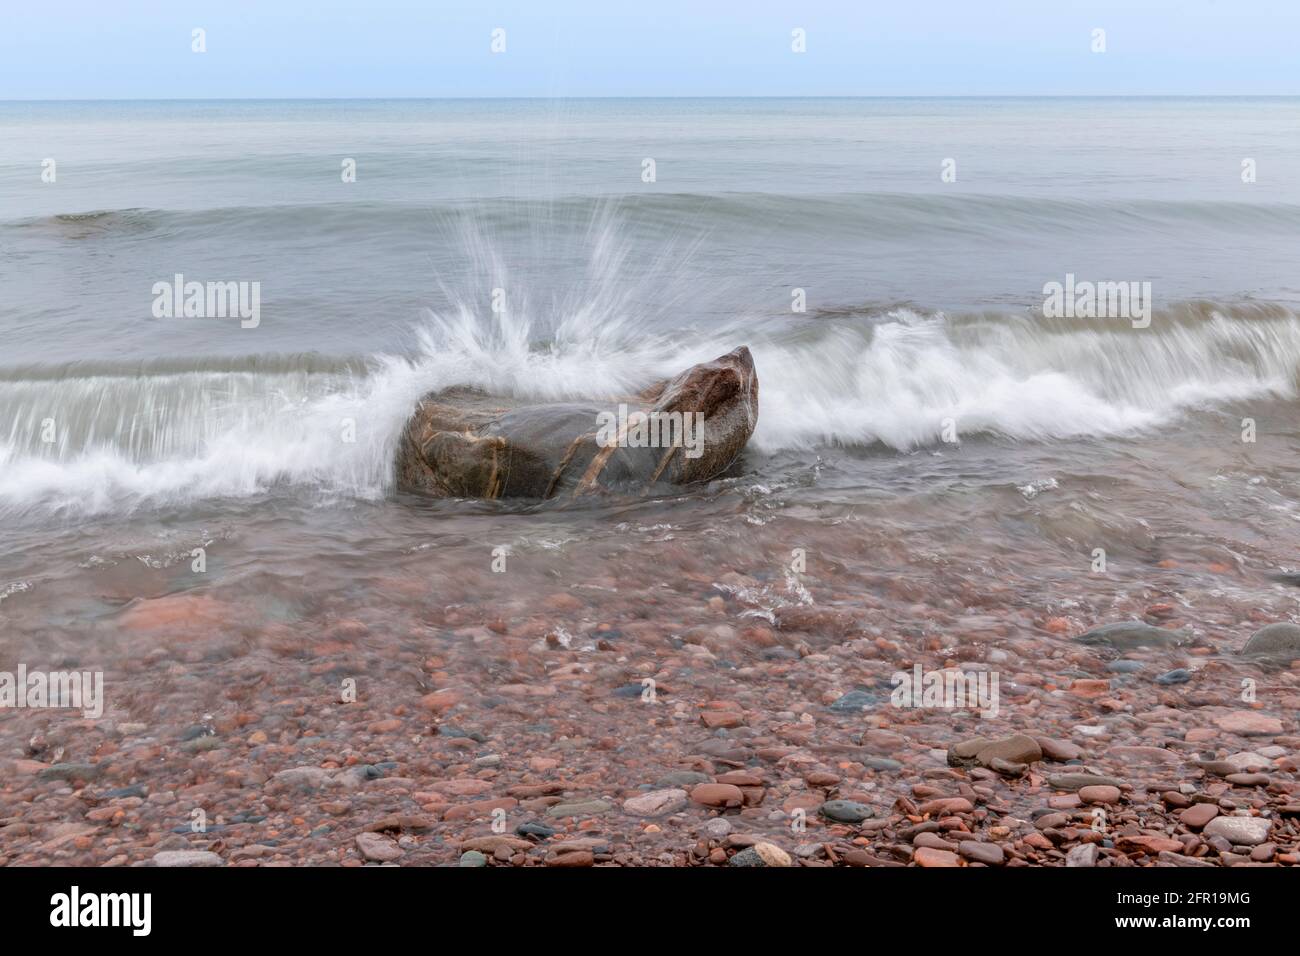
x=1153, y=756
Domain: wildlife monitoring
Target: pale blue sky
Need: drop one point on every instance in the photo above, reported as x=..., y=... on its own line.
x=329, y=48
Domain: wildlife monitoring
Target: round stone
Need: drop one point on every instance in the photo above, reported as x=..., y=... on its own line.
x=1240, y=831
x=845, y=811
x=657, y=803
x=977, y=852
x=718, y=795
x=772, y=855
x=1198, y=815
x=1274, y=640
x=1101, y=794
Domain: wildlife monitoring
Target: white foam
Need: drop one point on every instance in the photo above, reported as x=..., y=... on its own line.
x=128, y=442
x=1013, y=376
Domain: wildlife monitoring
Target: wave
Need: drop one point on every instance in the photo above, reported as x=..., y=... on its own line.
x=97, y=437
x=900, y=379
x=888, y=214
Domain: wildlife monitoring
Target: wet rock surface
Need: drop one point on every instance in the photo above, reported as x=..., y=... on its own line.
x=466, y=444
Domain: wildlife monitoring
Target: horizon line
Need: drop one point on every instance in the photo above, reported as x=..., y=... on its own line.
x=677, y=96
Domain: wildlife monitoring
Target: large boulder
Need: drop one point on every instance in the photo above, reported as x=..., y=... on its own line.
x=464, y=443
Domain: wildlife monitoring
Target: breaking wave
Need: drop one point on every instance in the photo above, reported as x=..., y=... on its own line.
x=92, y=437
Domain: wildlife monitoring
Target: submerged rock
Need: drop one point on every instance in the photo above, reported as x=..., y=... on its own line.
x=464, y=443
x=1078, y=781
x=1274, y=640
x=657, y=803
x=1007, y=755
x=854, y=702
x=1127, y=635
x=846, y=811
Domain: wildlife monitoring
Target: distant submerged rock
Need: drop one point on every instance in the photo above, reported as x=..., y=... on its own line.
x=1128, y=635
x=464, y=443
x=1280, y=640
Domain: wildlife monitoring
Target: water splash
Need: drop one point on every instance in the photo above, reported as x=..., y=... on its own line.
x=125, y=437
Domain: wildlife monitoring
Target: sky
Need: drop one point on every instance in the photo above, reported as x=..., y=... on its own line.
x=142, y=49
